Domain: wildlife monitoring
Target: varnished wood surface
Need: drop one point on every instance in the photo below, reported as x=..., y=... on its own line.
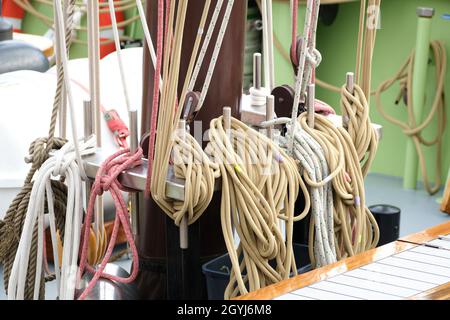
x=309, y=278
x=428, y=234
x=438, y=293
x=445, y=205
x=334, y=269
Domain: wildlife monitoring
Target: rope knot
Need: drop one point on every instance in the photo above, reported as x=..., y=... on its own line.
x=314, y=57
x=102, y=184
x=39, y=150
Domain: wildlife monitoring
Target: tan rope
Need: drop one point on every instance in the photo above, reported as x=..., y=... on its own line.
x=355, y=112
x=190, y=162
x=260, y=185
x=355, y=228
x=411, y=128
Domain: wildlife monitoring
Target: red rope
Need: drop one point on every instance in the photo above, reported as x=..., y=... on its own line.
x=156, y=84
x=106, y=180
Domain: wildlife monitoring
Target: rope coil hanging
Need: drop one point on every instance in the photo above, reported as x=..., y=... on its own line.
x=63, y=164
x=197, y=170
x=15, y=216
x=355, y=228
x=107, y=180
x=260, y=184
x=411, y=128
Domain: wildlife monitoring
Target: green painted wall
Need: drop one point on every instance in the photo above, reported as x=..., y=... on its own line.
x=34, y=25
x=395, y=40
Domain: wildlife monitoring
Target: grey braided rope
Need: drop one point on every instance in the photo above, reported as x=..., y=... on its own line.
x=12, y=225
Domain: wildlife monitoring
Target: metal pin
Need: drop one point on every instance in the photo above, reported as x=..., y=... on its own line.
x=88, y=117
x=257, y=70
x=350, y=86
x=227, y=119
x=184, y=240
x=134, y=145
x=350, y=82
x=270, y=114
x=311, y=104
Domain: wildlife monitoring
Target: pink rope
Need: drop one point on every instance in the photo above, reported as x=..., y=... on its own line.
x=156, y=84
x=106, y=180
x=294, y=55
x=323, y=108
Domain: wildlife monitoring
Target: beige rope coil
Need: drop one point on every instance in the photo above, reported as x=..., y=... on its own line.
x=190, y=162
x=411, y=128
x=199, y=173
x=260, y=185
x=354, y=226
x=355, y=113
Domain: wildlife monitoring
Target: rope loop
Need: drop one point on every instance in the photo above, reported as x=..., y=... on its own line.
x=314, y=57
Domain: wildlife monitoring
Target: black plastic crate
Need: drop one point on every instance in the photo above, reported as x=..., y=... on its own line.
x=217, y=270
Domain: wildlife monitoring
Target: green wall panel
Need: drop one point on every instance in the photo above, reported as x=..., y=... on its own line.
x=395, y=41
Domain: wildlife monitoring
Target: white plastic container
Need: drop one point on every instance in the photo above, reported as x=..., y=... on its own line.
x=26, y=100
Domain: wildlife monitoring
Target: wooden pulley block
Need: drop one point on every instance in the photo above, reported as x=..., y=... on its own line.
x=284, y=99
x=102, y=244
x=96, y=248
x=299, y=45
x=145, y=140
x=190, y=107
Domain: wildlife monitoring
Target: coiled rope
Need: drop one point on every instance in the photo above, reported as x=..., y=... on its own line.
x=19, y=279
x=190, y=162
x=39, y=152
x=61, y=164
x=12, y=225
x=411, y=128
x=316, y=174
x=107, y=180
x=260, y=185
x=355, y=228
x=341, y=225
x=355, y=112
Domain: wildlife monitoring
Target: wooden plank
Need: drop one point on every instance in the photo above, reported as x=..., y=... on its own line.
x=334, y=269
x=445, y=205
x=428, y=234
x=307, y=279
x=439, y=293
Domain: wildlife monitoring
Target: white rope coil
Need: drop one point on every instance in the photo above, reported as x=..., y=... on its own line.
x=61, y=164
